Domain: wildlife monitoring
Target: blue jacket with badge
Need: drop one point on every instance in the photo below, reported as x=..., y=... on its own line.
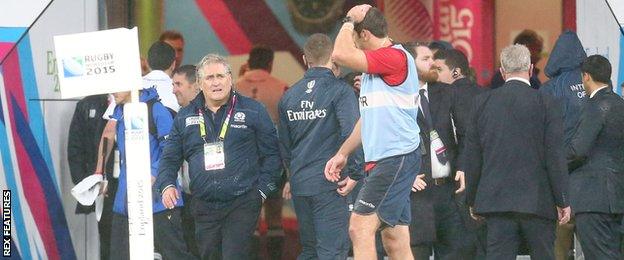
x=565, y=84
x=162, y=119
x=316, y=115
x=252, y=159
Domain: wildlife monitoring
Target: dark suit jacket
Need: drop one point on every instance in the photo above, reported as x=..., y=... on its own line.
x=515, y=149
x=83, y=142
x=464, y=93
x=443, y=112
x=598, y=147
x=443, y=106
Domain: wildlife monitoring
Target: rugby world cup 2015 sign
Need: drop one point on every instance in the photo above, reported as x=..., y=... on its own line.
x=108, y=62
x=98, y=62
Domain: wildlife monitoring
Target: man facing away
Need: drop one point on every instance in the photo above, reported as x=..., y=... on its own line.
x=516, y=170
x=316, y=115
x=566, y=86
x=258, y=83
x=597, y=182
x=387, y=130
x=535, y=43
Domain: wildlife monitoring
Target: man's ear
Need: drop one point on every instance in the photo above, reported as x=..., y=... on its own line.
x=364, y=35
x=502, y=71
x=305, y=62
x=585, y=77
x=530, y=70
x=173, y=65
x=455, y=73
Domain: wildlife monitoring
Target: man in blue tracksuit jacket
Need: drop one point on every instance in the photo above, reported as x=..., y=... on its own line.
x=316, y=115
x=566, y=86
x=231, y=146
x=564, y=72
x=168, y=239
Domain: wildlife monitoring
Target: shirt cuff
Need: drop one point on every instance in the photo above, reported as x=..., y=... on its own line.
x=166, y=187
x=261, y=194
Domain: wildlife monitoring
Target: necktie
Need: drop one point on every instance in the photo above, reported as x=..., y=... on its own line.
x=426, y=113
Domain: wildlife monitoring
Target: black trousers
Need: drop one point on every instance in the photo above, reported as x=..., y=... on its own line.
x=188, y=225
x=450, y=232
x=599, y=235
x=168, y=239
x=106, y=220
x=506, y=230
x=229, y=229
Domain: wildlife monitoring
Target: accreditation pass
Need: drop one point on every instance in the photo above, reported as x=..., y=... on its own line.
x=214, y=156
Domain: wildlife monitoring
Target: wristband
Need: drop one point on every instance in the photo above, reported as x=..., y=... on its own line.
x=347, y=26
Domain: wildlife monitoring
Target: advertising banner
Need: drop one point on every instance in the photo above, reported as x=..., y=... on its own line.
x=468, y=26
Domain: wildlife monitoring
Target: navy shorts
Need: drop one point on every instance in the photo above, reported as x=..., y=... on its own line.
x=386, y=189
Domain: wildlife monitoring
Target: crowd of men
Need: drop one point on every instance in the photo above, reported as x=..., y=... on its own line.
x=408, y=150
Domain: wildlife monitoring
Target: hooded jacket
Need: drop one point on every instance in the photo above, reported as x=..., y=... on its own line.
x=163, y=121
x=565, y=84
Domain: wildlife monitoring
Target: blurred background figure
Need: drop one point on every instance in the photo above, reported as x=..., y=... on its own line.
x=535, y=44
x=257, y=82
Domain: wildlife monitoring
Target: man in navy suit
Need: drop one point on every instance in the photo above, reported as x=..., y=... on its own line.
x=597, y=164
x=516, y=174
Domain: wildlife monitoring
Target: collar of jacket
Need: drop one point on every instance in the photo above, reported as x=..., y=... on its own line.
x=602, y=90
x=317, y=72
x=200, y=101
x=156, y=75
x=462, y=82
x=435, y=87
x=523, y=80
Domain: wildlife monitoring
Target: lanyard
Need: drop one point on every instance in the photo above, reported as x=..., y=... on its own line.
x=226, y=122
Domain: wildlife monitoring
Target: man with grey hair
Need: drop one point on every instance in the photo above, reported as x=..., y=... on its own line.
x=516, y=172
x=231, y=146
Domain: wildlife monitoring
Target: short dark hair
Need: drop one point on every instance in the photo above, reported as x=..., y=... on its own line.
x=189, y=72
x=598, y=67
x=454, y=59
x=160, y=56
x=374, y=22
x=527, y=37
x=260, y=57
x=350, y=78
x=440, y=45
x=318, y=49
x=411, y=47
x=170, y=35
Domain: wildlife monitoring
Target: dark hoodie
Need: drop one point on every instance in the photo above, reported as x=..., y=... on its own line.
x=565, y=84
